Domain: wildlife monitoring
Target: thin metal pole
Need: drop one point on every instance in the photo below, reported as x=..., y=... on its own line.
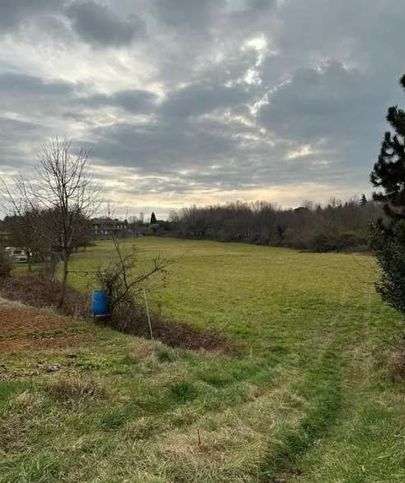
x=147, y=313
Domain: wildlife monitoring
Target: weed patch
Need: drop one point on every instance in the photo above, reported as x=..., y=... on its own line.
x=74, y=392
x=19, y=420
x=175, y=334
x=396, y=366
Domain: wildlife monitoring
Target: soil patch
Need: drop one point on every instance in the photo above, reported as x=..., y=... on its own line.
x=24, y=328
x=58, y=341
x=14, y=319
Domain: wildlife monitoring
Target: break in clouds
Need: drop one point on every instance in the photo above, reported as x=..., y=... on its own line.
x=203, y=101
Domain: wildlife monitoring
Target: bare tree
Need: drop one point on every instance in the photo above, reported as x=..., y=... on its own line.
x=62, y=187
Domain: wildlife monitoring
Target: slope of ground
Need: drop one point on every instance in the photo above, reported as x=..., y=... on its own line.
x=306, y=399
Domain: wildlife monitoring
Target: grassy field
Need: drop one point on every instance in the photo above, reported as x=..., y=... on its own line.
x=308, y=398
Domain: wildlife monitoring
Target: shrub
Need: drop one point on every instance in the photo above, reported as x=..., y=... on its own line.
x=123, y=283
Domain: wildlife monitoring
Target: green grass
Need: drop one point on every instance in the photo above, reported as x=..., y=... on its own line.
x=307, y=399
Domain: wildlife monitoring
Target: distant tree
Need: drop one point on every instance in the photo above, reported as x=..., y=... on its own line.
x=281, y=231
x=153, y=219
x=22, y=234
x=5, y=264
x=363, y=200
x=388, y=239
x=83, y=234
x=29, y=230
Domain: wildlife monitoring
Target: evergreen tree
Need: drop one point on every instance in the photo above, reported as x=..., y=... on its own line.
x=388, y=239
x=363, y=200
x=153, y=220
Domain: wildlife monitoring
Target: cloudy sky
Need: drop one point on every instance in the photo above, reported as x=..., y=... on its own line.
x=203, y=101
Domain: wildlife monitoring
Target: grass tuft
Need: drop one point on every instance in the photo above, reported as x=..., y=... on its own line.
x=183, y=392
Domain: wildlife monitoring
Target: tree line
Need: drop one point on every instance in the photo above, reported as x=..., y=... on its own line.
x=334, y=227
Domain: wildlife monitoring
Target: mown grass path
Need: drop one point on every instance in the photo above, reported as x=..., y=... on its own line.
x=307, y=398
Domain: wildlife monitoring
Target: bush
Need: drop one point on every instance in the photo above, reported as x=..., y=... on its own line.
x=123, y=283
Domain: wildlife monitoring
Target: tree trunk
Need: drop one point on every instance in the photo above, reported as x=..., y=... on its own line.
x=64, y=280
x=51, y=269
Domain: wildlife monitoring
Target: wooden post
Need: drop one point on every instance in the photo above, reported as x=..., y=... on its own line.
x=147, y=313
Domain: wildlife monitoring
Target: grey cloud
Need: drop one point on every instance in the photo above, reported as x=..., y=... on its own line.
x=205, y=154
x=219, y=19
x=365, y=33
x=338, y=111
x=100, y=26
x=200, y=98
x=12, y=12
x=253, y=14
x=21, y=91
x=18, y=84
x=162, y=147
x=188, y=15
x=192, y=162
x=36, y=99
x=11, y=130
x=328, y=102
x=135, y=101
x=16, y=141
x=196, y=32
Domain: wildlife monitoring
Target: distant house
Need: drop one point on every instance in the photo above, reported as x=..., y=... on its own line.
x=104, y=228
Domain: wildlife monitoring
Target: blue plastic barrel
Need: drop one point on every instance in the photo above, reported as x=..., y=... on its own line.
x=100, y=304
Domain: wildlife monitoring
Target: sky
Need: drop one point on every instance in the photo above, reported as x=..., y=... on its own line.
x=185, y=102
